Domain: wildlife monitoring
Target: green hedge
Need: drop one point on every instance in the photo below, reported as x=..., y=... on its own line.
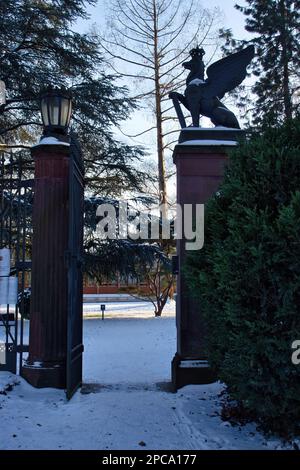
x=247, y=277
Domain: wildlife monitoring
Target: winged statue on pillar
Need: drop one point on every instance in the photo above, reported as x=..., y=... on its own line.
x=203, y=95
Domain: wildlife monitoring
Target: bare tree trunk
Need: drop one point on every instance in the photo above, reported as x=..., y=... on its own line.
x=159, y=123
x=161, y=158
x=146, y=36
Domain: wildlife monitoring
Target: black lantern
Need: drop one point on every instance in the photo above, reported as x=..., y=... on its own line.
x=56, y=109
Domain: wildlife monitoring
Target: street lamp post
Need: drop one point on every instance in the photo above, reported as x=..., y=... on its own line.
x=46, y=363
x=56, y=110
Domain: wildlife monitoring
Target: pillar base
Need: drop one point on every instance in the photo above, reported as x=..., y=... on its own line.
x=44, y=375
x=191, y=372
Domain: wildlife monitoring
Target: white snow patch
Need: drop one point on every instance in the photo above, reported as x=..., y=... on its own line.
x=39, y=365
x=51, y=141
x=192, y=364
x=196, y=81
x=210, y=142
x=126, y=309
x=216, y=128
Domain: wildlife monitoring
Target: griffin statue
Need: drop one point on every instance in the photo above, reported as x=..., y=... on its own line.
x=203, y=97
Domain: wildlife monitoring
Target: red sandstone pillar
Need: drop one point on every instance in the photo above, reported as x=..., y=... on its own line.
x=46, y=364
x=200, y=159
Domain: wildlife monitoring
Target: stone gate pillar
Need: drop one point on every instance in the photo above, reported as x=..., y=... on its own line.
x=200, y=159
x=46, y=364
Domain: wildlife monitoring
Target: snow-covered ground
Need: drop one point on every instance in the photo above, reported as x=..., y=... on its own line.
x=136, y=309
x=125, y=402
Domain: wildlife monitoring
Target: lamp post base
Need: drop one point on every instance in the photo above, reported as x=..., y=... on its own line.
x=45, y=374
x=190, y=372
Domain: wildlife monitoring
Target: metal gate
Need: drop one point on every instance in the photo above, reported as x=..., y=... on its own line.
x=16, y=195
x=75, y=281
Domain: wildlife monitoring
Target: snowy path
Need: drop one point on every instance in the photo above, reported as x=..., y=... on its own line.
x=125, y=401
x=129, y=350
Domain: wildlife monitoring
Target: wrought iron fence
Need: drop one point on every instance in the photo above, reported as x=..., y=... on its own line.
x=16, y=195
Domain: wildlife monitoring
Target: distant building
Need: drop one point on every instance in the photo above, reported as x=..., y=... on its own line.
x=125, y=284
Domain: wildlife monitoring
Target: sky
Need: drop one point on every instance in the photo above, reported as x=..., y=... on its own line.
x=142, y=120
x=232, y=18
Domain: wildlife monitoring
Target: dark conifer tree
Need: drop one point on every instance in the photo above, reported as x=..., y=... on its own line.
x=275, y=25
x=40, y=47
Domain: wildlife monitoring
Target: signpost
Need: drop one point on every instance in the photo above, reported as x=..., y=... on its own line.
x=102, y=310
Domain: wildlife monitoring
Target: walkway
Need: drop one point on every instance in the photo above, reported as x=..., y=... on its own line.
x=125, y=402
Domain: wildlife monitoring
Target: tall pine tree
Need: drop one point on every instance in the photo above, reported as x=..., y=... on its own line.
x=275, y=25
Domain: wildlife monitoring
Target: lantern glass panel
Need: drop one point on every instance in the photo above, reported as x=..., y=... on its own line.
x=2, y=93
x=64, y=119
x=45, y=112
x=54, y=104
x=70, y=112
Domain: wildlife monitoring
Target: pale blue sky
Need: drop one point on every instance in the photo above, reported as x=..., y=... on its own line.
x=232, y=18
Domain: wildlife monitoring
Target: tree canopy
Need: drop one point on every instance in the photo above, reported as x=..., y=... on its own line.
x=40, y=47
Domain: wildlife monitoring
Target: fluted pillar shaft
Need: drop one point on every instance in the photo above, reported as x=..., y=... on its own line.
x=46, y=364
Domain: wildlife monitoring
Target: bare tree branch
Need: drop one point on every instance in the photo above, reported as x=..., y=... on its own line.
x=115, y=56
x=134, y=15
x=128, y=49
x=20, y=124
x=141, y=133
x=158, y=25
